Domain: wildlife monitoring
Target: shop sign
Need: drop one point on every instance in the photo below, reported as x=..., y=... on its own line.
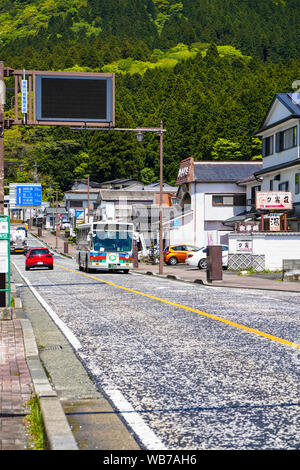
x=186, y=171
x=248, y=227
x=244, y=246
x=270, y=200
x=274, y=222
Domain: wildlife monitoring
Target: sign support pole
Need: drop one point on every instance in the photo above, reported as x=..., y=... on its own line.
x=285, y=221
x=2, y=103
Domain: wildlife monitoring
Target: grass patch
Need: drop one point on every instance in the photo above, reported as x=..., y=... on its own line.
x=34, y=423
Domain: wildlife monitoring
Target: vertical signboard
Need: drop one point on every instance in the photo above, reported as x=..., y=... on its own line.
x=274, y=222
x=24, y=97
x=5, y=251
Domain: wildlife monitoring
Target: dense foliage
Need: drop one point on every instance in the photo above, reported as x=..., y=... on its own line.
x=208, y=68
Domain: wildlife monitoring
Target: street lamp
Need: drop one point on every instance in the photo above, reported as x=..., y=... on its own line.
x=159, y=131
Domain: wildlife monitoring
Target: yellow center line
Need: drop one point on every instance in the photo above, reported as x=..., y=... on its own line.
x=190, y=309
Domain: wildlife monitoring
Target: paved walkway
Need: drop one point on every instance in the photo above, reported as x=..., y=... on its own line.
x=15, y=386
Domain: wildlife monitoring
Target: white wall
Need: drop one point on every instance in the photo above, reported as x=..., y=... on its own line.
x=284, y=156
x=275, y=247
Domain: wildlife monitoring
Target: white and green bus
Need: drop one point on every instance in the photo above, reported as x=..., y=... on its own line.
x=105, y=245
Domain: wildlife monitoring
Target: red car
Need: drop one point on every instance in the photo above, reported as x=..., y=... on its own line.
x=39, y=257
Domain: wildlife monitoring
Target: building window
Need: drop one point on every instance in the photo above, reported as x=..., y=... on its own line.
x=286, y=139
x=271, y=185
x=268, y=146
x=229, y=200
x=297, y=186
x=283, y=186
x=253, y=191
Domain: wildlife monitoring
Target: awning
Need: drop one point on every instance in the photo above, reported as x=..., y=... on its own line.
x=246, y=215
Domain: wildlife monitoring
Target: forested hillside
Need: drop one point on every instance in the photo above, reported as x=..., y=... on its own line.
x=208, y=68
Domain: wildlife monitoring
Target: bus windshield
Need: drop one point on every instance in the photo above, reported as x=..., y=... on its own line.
x=112, y=241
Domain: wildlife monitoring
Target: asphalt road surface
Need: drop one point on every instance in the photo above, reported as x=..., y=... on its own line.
x=188, y=366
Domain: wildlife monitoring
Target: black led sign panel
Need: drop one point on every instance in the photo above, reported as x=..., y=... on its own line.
x=71, y=98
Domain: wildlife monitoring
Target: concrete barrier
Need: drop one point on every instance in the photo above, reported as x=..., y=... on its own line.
x=291, y=270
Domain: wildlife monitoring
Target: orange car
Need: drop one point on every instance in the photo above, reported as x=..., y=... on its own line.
x=174, y=254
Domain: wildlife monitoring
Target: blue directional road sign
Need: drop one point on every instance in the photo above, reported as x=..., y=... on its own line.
x=29, y=195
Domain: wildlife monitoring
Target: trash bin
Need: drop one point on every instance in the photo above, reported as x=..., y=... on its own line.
x=214, y=271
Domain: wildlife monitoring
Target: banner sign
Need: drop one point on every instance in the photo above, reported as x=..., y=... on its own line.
x=270, y=200
x=274, y=223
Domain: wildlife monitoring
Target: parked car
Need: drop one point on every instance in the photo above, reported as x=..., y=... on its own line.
x=198, y=258
x=39, y=257
x=174, y=254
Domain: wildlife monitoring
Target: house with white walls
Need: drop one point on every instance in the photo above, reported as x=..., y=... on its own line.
x=209, y=193
x=269, y=246
x=280, y=133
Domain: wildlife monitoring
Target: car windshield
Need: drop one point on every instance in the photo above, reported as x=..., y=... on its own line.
x=112, y=241
x=39, y=251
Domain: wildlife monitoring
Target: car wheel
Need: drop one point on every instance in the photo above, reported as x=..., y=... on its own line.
x=125, y=271
x=172, y=261
x=26, y=268
x=202, y=264
x=50, y=267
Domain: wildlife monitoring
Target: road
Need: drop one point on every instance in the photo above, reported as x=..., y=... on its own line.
x=188, y=366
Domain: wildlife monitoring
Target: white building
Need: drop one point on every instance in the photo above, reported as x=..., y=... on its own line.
x=209, y=194
x=280, y=132
x=269, y=245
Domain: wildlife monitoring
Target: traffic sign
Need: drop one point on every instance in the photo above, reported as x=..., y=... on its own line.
x=29, y=195
x=24, y=97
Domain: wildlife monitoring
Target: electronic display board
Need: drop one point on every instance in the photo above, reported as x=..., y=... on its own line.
x=71, y=98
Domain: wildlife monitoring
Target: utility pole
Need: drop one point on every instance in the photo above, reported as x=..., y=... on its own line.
x=56, y=219
x=161, y=261
x=88, y=199
x=2, y=103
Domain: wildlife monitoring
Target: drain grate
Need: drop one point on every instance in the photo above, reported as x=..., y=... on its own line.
x=55, y=347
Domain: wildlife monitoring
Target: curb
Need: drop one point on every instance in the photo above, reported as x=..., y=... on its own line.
x=58, y=432
x=50, y=247
x=201, y=282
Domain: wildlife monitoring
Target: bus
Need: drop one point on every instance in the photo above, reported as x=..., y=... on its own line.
x=105, y=245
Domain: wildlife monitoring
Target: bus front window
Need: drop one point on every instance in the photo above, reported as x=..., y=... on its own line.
x=108, y=241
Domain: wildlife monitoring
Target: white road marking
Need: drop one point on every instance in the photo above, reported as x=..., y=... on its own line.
x=67, y=332
x=144, y=434
x=134, y=420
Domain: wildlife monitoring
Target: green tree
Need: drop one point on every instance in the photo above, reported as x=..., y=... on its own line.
x=224, y=149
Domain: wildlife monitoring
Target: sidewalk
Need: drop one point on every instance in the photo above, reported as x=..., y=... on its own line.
x=21, y=377
x=182, y=272
x=16, y=385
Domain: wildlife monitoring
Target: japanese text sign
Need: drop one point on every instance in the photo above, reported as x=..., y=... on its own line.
x=274, y=200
